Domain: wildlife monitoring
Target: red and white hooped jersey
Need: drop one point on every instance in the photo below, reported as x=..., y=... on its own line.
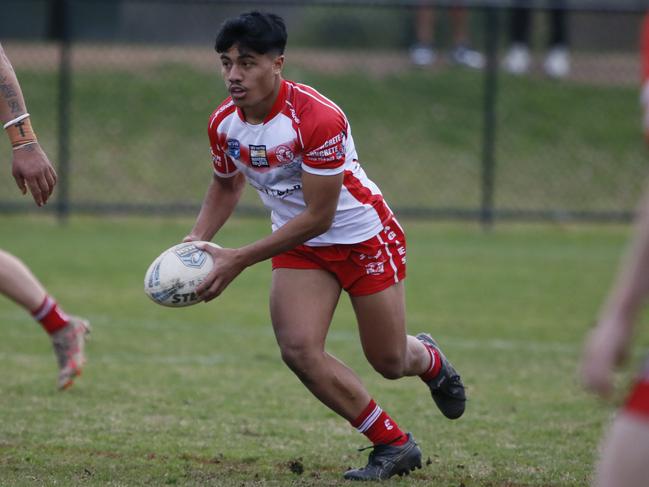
x=304, y=131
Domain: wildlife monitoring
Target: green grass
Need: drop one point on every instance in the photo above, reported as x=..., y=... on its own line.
x=199, y=396
x=138, y=135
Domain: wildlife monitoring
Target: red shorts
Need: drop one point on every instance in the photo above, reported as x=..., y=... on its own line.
x=638, y=400
x=361, y=269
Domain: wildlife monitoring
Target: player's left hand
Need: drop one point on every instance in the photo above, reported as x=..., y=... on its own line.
x=605, y=349
x=32, y=170
x=227, y=266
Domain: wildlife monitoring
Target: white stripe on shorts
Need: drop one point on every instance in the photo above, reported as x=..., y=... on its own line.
x=387, y=250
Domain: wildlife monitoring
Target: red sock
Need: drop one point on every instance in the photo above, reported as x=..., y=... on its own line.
x=434, y=367
x=50, y=316
x=379, y=428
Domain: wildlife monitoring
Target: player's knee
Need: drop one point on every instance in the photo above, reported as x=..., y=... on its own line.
x=300, y=359
x=389, y=366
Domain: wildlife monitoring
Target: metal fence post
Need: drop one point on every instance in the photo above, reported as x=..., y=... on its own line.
x=63, y=203
x=489, y=128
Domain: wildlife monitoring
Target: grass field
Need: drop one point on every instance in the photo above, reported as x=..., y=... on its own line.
x=199, y=396
x=139, y=126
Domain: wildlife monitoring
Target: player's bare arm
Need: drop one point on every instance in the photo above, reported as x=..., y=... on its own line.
x=220, y=200
x=608, y=343
x=30, y=167
x=321, y=197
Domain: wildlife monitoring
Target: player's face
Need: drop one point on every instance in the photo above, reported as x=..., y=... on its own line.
x=251, y=78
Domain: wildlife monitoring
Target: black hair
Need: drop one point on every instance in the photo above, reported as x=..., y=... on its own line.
x=260, y=32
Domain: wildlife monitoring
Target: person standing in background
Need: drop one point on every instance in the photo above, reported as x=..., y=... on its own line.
x=519, y=59
x=422, y=52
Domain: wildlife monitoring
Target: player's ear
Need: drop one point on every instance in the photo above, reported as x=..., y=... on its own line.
x=278, y=64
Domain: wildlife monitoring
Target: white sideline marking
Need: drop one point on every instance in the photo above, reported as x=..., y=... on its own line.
x=218, y=331
x=134, y=358
x=215, y=359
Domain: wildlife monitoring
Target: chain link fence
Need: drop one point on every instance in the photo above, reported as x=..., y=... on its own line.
x=120, y=94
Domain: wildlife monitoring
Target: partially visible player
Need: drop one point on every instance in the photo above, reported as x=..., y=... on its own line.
x=624, y=459
x=33, y=171
x=332, y=230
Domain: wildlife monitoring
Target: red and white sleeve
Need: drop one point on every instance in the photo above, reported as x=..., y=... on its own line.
x=322, y=136
x=221, y=162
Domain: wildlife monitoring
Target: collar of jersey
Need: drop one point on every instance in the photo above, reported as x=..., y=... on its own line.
x=275, y=109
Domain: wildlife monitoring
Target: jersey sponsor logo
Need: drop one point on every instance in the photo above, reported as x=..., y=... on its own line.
x=234, y=148
x=332, y=150
x=258, y=156
x=326, y=155
x=336, y=139
x=276, y=193
x=284, y=154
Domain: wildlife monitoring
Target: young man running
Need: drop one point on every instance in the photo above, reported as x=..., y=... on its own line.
x=332, y=230
x=33, y=171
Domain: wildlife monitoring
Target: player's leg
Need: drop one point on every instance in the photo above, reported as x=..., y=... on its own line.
x=624, y=456
x=461, y=53
x=67, y=333
x=401, y=357
x=518, y=59
x=382, y=326
x=302, y=306
x=19, y=284
x=557, y=61
x=394, y=354
x=422, y=52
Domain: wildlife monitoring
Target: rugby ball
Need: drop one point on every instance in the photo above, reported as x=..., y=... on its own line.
x=172, y=278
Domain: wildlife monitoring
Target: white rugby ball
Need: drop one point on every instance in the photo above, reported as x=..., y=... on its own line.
x=172, y=278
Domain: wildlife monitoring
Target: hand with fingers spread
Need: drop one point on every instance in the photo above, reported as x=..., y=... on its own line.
x=228, y=264
x=33, y=171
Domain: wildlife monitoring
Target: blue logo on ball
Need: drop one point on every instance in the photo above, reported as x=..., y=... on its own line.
x=191, y=256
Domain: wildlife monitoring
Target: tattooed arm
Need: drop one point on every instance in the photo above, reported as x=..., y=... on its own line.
x=30, y=167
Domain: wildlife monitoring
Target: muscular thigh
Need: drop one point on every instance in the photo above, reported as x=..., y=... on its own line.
x=302, y=303
x=382, y=321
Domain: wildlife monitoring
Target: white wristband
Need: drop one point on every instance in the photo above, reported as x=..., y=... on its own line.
x=16, y=120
